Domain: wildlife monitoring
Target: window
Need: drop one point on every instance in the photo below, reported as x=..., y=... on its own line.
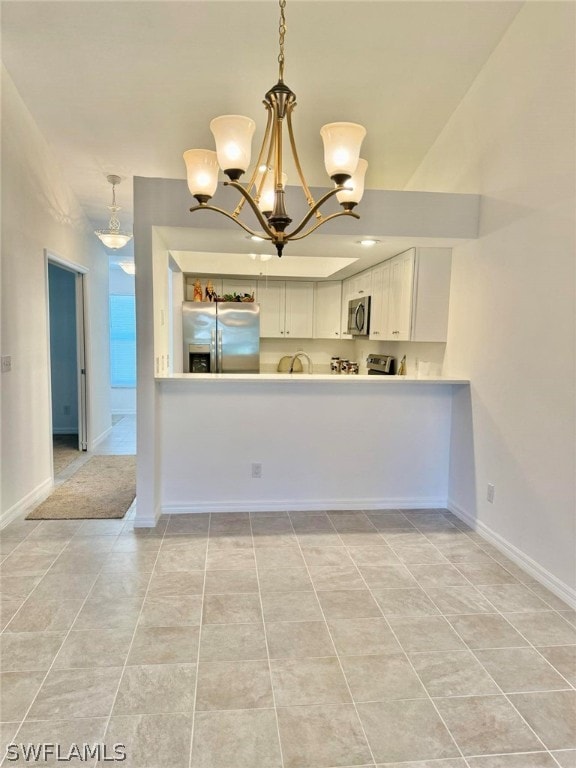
x=122, y=341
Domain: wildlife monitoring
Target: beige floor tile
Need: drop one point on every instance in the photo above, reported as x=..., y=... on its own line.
x=486, y=630
x=486, y=724
x=551, y=715
x=65, y=733
x=18, y=564
x=382, y=677
x=406, y=730
x=543, y=628
x=520, y=669
x=164, y=645
x=234, y=685
x=233, y=642
x=374, y=555
x=531, y=760
x=224, y=581
x=404, y=602
x=362, y=538
x=76, y=693
x=426, y=633
x=17, y=587
x=94, y=648
x=243, y=739
x=109, y=614
x=176, y=583
x=29, y=651
x=455, y=762
x=19, y=529
x=226, y=523
x=231, y=609
x=138, y=561
x=569, y=616
x=513, y=598
x=220, y=543
x=418, y=554
x=284, y=580
x=8, y=609
x=322, y=736
x=437, y=575
x=330, y=556
x=351, y=522
x=315, y=540
x=163, y=740
x=109, y=586
x=228, y=559
x=171, y=611
x=336, y=577
x=459, y=600
x=279, y=557
x=549, y=597
x=566, y=758
x=45, y=616
x=452, y=673
x=348, y=604
x=156, y=689
x=360, y=637
x=276, y=540
x=387, y=576
x=79, y=562
x=291, y=606
x=63, y=586
x=191, y=523
x=308, y=681
x=184, y=558
x=17, y=692
x=486, y=573
x=563, y=658
x=298, y=640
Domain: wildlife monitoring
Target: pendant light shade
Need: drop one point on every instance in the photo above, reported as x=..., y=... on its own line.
x=112, y=237
x=202, y=171
x=354, y=187
x=233, y=137
x=267, y=193
x=342, y=142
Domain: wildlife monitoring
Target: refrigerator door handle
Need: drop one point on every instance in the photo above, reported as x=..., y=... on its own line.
x=219, y=352
x=213, y=353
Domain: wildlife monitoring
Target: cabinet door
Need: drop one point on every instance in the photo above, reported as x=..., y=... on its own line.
x=361, y=285
x=347, y=287
x=238, y=286
x=401, y=291
x=271, y=297
x=380, y=302
x=327, y=309
x=299, y=310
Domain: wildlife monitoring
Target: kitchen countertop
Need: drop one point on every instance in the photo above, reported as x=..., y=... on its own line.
x=304, y=378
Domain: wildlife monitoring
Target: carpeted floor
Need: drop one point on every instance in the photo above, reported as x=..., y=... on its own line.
x=104, y=487
x=65, y=451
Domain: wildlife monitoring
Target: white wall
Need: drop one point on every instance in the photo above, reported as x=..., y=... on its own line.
x=40, y=212
x=63, y=350
x=512, y=322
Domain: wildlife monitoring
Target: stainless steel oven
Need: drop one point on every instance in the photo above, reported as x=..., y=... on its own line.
x=359, y=316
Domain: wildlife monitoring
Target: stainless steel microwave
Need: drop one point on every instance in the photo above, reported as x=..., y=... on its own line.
x=359, y=316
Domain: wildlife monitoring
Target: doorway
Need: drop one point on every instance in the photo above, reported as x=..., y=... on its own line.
x=67, y=362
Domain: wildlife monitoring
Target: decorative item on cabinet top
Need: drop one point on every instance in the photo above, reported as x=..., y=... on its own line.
x=209, y=294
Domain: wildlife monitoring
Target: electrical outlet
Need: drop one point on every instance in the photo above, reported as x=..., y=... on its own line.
x=490, y=493
x=256, y=470
x=6, y=363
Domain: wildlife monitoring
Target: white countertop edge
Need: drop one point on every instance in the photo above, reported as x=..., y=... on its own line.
x=303, y=378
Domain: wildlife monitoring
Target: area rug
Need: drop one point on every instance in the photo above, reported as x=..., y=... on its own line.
x=65, y=451
x=104, y=487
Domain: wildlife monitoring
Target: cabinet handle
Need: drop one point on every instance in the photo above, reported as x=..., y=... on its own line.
x=336, y=333
x=376, y=333
x=360, y=291
x=287, y=333
x=282, y=332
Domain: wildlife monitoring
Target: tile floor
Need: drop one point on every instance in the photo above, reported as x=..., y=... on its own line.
x=301, y=640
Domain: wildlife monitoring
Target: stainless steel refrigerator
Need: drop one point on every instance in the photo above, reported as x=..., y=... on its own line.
x=221, y=337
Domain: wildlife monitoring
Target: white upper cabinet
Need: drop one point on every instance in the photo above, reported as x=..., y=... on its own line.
x=360, y=285
x=431, y=300
x=327, y=309
x=380, y=302
x=401, y=292
x=286, y=309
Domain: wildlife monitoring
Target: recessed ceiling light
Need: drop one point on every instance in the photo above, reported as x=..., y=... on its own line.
x=368, y=242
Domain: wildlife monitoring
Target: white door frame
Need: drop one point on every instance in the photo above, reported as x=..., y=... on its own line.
x=80, y=273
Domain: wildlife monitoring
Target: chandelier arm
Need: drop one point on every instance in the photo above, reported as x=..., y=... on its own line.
x=322, y=221
x=310, y=200
x=252, y=182
x=250, y=200
x=205, y=207
x=313, y=210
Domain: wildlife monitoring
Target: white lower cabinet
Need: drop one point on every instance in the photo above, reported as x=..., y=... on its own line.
x=286, y=309
x=327, y=309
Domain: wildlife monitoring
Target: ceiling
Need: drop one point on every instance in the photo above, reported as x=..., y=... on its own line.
x=127, y=87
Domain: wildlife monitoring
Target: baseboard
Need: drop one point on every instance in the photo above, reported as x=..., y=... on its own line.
x=64, y=431
x=146, y=521
x=99, y=439
x=543, y=576
x=39, y=493
x=290, y=505
x=123, y=413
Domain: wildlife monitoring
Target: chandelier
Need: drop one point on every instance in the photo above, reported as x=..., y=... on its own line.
x=112, y=237
x=264, y=192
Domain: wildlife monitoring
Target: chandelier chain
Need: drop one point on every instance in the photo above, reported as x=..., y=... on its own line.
x=281, y=36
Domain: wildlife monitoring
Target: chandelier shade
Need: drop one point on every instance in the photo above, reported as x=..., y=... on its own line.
x=112, y=237
x=264, y=192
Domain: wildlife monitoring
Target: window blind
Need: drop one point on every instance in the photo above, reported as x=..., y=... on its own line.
x=122, y=341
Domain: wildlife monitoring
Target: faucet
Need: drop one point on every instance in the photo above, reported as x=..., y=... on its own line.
x=300, y=354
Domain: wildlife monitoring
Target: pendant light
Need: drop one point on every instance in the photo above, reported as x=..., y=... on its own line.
x=265, y=190
x=113, y=237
